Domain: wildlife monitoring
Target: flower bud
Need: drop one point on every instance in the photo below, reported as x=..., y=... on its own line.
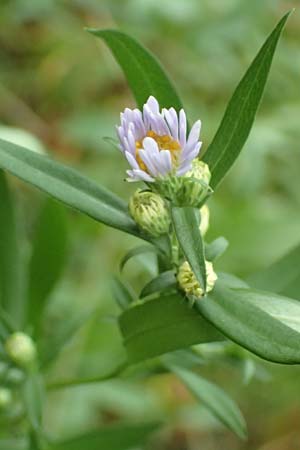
x=200, y=171
x=189, y=283
x=5, y=398
x=195, y=185
x=21, y=349
x=150, y=212
x=191, y=189
x=204, y=224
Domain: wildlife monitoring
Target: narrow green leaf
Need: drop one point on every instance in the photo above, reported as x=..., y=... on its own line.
x=136, y=251
x=163, y=325
x=143, y=72
x=115, y=437
x=47, y=259
x=67, y=185
x=162, y=282
x=51, y=346
x=241, y=110
x=122, y=294
x=264, y=323
x=215, y=399
x=282, y=277
x=216, y=248
x=33, y=394
x=186, y=225
x=10, y=266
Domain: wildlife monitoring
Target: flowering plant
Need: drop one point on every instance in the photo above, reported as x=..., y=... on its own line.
x=187, y=304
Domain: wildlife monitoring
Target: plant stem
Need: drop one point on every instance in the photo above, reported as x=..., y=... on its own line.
x=87, y=380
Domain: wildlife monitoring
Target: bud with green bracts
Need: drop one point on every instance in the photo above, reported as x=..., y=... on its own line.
x=189, y=283
x=21, y=349
x=191, y=189
x=150, y=212
x=5, y=398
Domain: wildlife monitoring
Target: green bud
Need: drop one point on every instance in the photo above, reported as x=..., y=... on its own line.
x=191, y=189
x=150, y=212
x=21, y=349
x=200, y=171
x=5, y=398
x=189, y=283
x=204, y=224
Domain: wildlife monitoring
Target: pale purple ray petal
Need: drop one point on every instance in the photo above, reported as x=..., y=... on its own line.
x=139, y=175
x=148, y=159
x=132, y=161
x=131, y=140
x=166, y=160
x=128, y=115
x=182, y=128
x=139, y=124
x=172, y=121
x=120, y=133
x=126, y=145
x=153, y=104
x=191, y=152
x=150, y=145
x=184, y=167
x=194, y=134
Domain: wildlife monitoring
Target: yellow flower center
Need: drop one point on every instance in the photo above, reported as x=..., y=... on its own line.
x=164, y=142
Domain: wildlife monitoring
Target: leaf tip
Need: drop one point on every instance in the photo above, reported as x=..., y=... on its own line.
x=93, y=31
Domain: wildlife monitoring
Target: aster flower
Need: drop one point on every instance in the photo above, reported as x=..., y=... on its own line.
x=155, y=143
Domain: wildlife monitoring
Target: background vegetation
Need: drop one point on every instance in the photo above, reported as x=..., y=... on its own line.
x=62, y=86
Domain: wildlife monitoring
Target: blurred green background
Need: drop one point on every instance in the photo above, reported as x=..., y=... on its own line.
x=61, y=85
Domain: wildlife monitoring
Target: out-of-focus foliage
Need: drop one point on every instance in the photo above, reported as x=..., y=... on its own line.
x=59, y=83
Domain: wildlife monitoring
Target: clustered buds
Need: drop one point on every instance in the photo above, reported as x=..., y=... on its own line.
x=21, y=349
x=150, y=212
x=189, y=283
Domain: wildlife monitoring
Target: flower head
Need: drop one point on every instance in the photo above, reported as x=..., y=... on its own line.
x=189, y=283
x=155, y=142
x=150, y=212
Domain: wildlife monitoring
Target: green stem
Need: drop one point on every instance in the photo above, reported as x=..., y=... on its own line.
x=87, y=380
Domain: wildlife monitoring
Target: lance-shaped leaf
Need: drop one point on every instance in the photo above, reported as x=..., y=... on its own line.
x=143, y=72
x=115, y=437
x=137, y=251
x=10, y=266
x=47, y=259
x=163, y=325
x=264, y=323
x=215, y=399
x=282, y=277
x=67, y=185
x=241, y=110
x=186, y=225
x=164, y=281
x=122, y=293
x=216, y=248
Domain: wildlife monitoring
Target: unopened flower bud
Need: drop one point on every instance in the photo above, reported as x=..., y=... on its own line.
x=200, y=171
x=150, y=212
x=189, y=283
x=204, y=224
x=5, y=398
x=191, y=189
x=21, y=349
